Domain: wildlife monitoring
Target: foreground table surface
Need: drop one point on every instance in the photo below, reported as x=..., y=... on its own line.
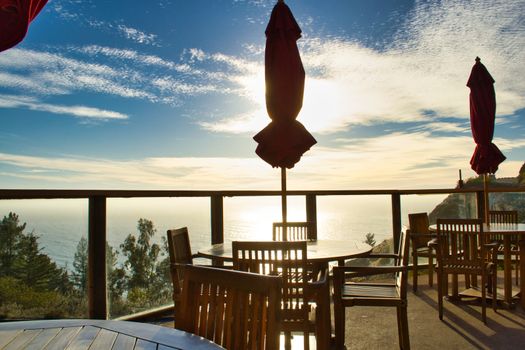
x=97, y=334
x=319, y=251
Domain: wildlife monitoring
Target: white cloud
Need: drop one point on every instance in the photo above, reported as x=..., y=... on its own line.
x=424, y=69
x=418, y=160
x=137, y=35
x=9, y=101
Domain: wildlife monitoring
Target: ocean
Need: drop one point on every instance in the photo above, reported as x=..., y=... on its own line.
x=60, y=223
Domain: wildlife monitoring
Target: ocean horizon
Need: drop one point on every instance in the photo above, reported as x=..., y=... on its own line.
x=60, y=223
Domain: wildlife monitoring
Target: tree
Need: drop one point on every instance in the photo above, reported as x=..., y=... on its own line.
x=37, y=270
x=370, y=239
x=141, y=256
x=11, y=232
x=80, y=266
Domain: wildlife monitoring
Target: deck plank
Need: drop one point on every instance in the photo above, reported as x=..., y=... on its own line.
x=84, y=338
x=62, y=339
x=21, y=339
x=7, y=336
x=145, y=345
x=43, y=339
x=124, y=342
x=165, y=347
x=104, y=340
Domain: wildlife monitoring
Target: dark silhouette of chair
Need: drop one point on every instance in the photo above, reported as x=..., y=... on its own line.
x=235, y=309
x=294, y=231
x=419, y=238
x=506, y=217
x=289, y=261
x=462, y=248
x=180, y=254
x=373, y=292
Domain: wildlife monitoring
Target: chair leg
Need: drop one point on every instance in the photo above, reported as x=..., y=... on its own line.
x=494, y=288
x=306, y=336
x=484, y=298
x=430, y=270
x=414, y=270
x=339, y=320
x=288, y=340
x=517, y=269
x=440, y=286
x=402, y=326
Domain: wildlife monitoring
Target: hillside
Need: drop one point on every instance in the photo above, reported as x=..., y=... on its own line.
x=464, y=205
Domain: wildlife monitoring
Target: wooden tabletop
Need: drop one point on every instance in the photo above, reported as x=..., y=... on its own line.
x=319, y=251
x=97, y=334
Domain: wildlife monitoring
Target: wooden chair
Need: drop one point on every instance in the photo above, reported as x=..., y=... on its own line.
x=462, y=248
x=419, y=238
x=289, y=260
x=294, y=231
x=235, y=309
x=348, y=293
x=180, y=254
x=507, y=217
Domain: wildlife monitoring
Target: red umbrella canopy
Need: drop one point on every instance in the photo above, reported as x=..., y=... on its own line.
x=487, y=156
x=284, y=140
x=15, y=16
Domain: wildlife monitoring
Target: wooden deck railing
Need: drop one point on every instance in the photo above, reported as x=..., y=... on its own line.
x=97, y=289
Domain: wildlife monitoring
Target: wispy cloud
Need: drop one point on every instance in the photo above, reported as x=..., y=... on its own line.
x=430, y=160
x=137, y=35
x=10, y=101
x=425, y=68
x=77, y=11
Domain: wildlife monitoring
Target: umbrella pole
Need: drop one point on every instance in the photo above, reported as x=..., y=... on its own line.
x=486, y=197
x=283, y=193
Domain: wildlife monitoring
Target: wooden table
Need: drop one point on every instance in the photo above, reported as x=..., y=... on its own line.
x=319, y=252
x=97, y=334
x=507, y=230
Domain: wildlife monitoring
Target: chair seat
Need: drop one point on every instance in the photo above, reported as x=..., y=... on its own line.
x=466, y=268
x=425, y=251
x=369, y=291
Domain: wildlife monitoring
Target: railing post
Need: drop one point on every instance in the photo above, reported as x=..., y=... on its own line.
x=311, y=213
x=97, y=287
x=480, y=204
x=217, y=219
x=396, y=219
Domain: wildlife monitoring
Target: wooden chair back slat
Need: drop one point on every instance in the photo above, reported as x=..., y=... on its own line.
x=289, y=261
x=235, y=309
x=419, y=224
x=293, y=231
x=180, y=254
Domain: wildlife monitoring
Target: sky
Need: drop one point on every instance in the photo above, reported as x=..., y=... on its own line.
x=167, y=94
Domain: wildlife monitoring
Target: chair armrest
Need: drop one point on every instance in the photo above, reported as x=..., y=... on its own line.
x=381, y=255
x=320, y=279
x=492, y=245
x=433, y=243
x=363, y=271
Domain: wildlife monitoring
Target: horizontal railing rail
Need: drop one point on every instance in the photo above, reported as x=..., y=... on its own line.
x=97, y=288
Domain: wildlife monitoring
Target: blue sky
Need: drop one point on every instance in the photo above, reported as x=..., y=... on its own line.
x=168, y=94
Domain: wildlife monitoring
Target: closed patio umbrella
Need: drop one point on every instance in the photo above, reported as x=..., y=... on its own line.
x=487, y=156
x=282, y=142
x=15, y=16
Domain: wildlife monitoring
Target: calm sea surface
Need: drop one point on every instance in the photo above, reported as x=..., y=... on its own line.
x=61, y=223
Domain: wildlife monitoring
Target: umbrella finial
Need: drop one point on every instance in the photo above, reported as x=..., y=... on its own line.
x=478, y=59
